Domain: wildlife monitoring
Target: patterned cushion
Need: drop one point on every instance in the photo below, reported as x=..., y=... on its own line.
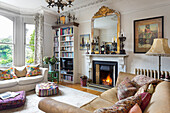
x=33, y=71
x=7, y=74
x=122, y=106
x=135, y=109
x=142, y=80
x=142, y=89
x=126, y=89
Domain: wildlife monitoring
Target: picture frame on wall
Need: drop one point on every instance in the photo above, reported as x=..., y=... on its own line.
x=145, y=31
x=84, y=41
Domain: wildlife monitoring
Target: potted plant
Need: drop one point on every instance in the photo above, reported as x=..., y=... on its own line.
x=51, y=61
x=83, y=79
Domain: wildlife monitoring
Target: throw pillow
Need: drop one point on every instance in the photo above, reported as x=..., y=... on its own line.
x=150, y=89
x=20, y=73
x=145, y=100
x=126, y=89
x=142, y=89
x=7, y=74
x=135, y=109
x=122, y=106
x=142, y=80
x=33, y=71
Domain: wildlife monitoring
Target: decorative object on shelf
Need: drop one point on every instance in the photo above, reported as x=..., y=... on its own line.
x=59, y=3
x=159, y=48
x=84, y=41
x=102, y=50
x=108, y=46
x=122, y=39
x=51, y=61
x=58, y=20
x=95, y=45
x=62, y=19
x=145, y=31
x=71, y=17
x=83, y=79
x=88, y=48
x=92, y=50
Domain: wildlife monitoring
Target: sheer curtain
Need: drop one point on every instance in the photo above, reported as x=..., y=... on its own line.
x=39, y=38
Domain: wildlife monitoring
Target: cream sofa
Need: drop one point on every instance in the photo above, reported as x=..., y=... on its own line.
x=24, y=83
x=159, y=103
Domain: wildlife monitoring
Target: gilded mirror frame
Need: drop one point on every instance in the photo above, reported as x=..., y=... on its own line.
x=103, y=12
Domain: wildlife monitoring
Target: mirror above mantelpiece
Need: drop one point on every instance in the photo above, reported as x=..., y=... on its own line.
x=105, y=28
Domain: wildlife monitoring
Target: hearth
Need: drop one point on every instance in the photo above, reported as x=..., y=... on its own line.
x=105, y=73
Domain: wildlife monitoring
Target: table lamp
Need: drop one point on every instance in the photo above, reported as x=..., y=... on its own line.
x=159, y=48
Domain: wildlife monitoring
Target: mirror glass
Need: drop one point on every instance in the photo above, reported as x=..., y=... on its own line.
x=105, y=28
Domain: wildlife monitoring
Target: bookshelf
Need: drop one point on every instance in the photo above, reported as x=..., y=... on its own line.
x=66, y=49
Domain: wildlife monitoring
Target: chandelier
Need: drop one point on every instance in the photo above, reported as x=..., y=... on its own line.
x=59, y=3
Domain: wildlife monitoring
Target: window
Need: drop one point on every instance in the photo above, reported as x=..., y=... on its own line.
x=29, y=44
x=6, y=42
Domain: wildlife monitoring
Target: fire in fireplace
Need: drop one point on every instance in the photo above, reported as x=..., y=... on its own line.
x=107, y=81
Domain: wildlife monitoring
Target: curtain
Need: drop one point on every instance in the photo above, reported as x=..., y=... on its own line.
x=39, y=38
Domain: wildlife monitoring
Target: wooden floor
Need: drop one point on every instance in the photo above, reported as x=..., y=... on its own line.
x=78, y=87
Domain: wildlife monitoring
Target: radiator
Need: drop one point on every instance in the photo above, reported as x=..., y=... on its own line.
x=151, y=73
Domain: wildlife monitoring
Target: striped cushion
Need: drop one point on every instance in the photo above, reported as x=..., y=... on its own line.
x=46, y=89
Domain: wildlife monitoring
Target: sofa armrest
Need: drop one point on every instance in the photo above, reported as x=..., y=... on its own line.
x=44, y=73
x=49, y=105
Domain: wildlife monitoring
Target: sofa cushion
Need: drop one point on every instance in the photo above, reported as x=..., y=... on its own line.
x=135, y=109
x=7, y=74
x=29, y=80
x=145, y=100
x=123, y=75
x=122, y=106
x=126, y=89
x=160, y=99
x=142, y=80
x=20, y=72
x=110, y=95
x=8, y=83
x=96, y=104
x=33, y=70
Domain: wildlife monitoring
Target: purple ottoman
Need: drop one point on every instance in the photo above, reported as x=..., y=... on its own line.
x=13, y=102
x=46, y=89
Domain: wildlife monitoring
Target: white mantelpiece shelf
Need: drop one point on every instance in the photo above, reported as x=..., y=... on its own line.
x=107, y=55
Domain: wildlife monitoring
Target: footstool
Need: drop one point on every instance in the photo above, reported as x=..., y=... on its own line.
x=46, y=89
x=13, y=102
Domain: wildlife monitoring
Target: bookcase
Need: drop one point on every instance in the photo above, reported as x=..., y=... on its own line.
x=66, y=50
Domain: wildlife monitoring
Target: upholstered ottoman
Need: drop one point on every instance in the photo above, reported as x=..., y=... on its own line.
x=13, y=102
x=46, y=89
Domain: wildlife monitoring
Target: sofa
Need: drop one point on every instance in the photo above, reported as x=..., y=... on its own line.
x=159, y=103
x=24, y=83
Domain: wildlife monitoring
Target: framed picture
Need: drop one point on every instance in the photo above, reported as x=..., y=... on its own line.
x=145, y=31
x=108, y=47
x=84, y=42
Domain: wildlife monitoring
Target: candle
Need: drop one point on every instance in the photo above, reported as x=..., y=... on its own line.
x=114, y=38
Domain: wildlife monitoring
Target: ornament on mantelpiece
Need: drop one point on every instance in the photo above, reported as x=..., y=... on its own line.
x=122, y=39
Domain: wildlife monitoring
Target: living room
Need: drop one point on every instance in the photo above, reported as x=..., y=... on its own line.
x=74, y=56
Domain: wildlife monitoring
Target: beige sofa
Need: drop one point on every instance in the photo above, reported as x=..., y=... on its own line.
x=159, y=103
x=24, y=83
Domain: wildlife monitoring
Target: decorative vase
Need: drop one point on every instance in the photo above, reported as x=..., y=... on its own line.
x=83, y=82
x=51, y=67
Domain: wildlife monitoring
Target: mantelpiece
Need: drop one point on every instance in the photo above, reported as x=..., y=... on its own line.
x=120, y=59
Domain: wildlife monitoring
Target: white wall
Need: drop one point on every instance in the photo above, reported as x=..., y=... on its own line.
x=130, y=10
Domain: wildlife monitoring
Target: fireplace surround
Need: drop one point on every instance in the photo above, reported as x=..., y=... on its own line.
x=105, y=73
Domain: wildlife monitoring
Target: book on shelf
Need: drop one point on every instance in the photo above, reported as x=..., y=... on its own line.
x=68, y=77
x=7, y=95
x=68, y=55
x=65, y=31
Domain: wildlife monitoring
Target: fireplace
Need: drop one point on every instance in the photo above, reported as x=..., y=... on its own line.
x=105, y=73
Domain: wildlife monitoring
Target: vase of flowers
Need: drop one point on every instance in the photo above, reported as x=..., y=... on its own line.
x=83, y=79
x=51, y=61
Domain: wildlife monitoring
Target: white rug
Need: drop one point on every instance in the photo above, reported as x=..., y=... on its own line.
x=67, y=95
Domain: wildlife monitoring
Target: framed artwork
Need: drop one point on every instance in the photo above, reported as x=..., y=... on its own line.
x=145, y=31
x=84, y=42
x=108, y=47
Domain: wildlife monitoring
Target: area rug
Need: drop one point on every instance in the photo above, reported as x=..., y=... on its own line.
x=67, y=95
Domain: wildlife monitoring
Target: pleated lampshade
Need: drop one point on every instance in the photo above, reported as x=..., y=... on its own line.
x=159, y=47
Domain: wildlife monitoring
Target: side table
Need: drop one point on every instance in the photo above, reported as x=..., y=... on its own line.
x=53, y=77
